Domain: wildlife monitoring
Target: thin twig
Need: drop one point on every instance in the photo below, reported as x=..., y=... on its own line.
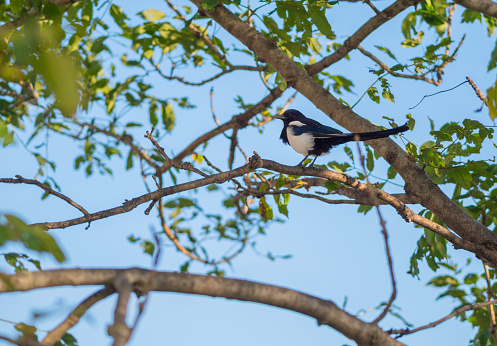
x=200, y=34
x=21, y=180
x=454, y=313
x=216, y=76
x=370, y=4
x=241, y=120
x=385, y=238
x=491, y=312
x=185, y=165
x=235, y=129
x=478, y=92
x=493, y=323
x=124, y=138
x=266, y=120
x=172, y=237
x=393, y=73
x=233, y=145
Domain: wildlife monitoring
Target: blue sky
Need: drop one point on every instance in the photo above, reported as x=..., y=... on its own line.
x=337, y=253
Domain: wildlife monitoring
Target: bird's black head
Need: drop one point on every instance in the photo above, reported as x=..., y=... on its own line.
x=291, y=115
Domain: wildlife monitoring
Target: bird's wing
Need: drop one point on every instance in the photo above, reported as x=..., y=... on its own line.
x=317, y=130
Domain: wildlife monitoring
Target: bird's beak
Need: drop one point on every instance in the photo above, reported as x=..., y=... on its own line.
x=280, y=116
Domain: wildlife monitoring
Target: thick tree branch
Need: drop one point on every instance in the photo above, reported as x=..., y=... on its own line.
x=324, y=311
x=417, y=181
x=487, y=7
x=256, y=162
x=406, y=213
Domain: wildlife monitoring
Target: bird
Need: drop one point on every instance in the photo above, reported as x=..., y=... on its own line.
x=311, y=138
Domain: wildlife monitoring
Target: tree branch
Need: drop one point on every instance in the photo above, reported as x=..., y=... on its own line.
x=58, y=332
x=239, y=121
x=21, y=180
x=385, y=238
x=487, y=7
x=353, y=41
x=456, y=312
x=220, y=74
x=396, y=74
x=120, y=330
x=124, y=138
x=418, y=183
x=254, y=162
x=184, y=165
x=324, y=311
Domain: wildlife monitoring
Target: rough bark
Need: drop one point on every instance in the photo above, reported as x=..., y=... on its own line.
x=324, y=311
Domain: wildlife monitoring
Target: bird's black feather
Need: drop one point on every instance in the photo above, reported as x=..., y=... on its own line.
x=324, y=137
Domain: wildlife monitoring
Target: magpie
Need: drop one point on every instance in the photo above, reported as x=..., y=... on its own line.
x=311, y=138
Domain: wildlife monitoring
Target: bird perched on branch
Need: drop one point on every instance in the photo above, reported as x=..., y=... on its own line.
x=310, y=138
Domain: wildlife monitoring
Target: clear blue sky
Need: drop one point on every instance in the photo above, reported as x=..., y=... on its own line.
x=337, y=254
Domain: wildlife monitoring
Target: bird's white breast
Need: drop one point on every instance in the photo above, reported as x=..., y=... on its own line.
x=303, y=143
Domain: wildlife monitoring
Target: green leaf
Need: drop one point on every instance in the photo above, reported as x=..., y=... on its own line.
x=51, y=11
x=443, y=280
x=283, y=209
x=265, y=210
x=462, y=176
x=319, y=19
x=408, y=25
x=410, y=43
x=129, y=160
x=118, y=15
x=184, y=267
x=148, y=247
x=391, y=173
x=32, y=237
x=168, y=117
x=152, y=113
x=386, y=50
x=369, y=160
x=61, y=75
x=470, y=279
x=133, y=239
x=493, y=58
x=492, y=101
x=68, y=340
x=280, y=182
x=373, y=94
x=364, y=209
x=152, y=15
x=209, y=4
x=16, y=5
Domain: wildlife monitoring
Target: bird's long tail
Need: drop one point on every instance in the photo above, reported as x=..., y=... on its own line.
x=364, y=136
